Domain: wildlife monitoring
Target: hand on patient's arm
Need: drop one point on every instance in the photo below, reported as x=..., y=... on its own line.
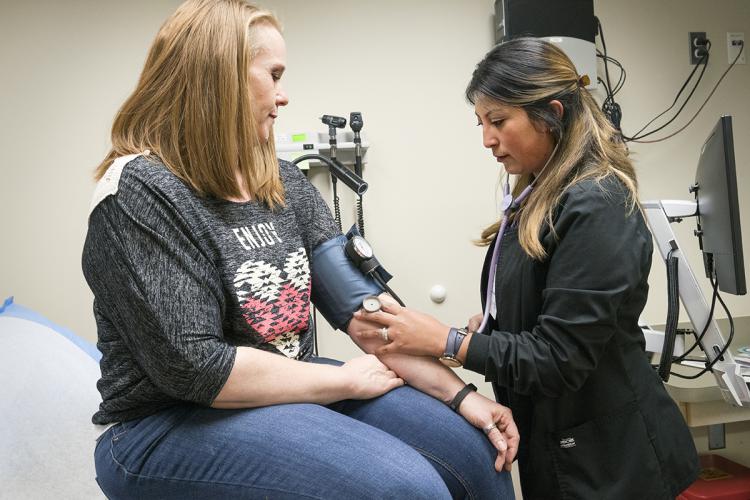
x=260, y=378
x=409, y=331
x=423, y=373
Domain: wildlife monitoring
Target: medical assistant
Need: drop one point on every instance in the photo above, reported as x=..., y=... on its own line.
x=566, y=354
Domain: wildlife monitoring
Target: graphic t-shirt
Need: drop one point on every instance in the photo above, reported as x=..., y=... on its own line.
x=180, y=280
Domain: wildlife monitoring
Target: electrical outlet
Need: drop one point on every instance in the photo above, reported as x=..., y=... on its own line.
x=735, y=43
x=696, y=51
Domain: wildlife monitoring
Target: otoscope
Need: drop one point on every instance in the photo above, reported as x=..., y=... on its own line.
x=333, y=123
x=355, y=122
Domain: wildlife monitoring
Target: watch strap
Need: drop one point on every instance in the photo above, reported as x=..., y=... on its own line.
x=448, y=351
x=456, y=337
x=460, y=336
x=461, y=395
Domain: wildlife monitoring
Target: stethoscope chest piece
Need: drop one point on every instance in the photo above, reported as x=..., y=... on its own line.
x=371, y=304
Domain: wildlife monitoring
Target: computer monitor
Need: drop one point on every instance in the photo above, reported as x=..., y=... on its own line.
x=718, y=210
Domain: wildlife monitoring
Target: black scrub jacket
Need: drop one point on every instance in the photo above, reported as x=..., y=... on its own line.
x=567, y=356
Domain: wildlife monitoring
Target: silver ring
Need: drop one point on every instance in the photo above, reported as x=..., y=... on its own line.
x=384, y=334
x=489, y=428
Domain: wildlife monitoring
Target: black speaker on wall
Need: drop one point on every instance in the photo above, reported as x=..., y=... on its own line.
x=545, y=18
x=568, y=23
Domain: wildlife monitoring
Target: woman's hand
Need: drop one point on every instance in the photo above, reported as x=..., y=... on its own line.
x=408, y=331
x=369, y=378
x=358, y=329
x=474, y=322
x=483, y=413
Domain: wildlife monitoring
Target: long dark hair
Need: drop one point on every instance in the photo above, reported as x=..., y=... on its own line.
x=529, y=73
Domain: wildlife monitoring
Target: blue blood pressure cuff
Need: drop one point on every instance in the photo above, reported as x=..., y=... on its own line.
x=338, y=287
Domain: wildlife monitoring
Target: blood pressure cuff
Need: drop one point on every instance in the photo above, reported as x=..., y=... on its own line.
x=338, y=287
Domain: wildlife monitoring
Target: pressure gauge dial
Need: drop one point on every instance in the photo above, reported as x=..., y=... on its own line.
x=363, y=249
x=358, y=250
x=371, y=304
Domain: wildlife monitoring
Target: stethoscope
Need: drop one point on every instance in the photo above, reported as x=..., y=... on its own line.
x=507, y=206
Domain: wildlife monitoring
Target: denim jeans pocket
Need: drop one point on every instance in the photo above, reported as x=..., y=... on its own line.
x=124, y=444
x=119, y=430
x=134, y=441
x=103, y=430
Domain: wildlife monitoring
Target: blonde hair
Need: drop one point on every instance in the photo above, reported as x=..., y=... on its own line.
x=529, y=73
x=192, y=106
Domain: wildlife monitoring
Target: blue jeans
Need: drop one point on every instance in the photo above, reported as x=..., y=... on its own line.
x=403, y=444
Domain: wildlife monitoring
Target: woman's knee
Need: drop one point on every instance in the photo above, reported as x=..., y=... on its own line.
x=387, y=476
x=460, y=453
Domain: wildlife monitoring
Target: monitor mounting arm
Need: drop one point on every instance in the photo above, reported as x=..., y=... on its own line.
x=728, y=375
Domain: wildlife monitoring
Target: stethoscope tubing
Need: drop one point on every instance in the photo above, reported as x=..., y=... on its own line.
x=508, y=206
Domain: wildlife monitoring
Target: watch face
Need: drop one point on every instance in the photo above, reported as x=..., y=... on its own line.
x=362, y=248
x=450, y=361
x=371, y=304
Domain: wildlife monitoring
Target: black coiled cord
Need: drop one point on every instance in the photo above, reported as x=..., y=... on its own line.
x=360, y=217
x=336, y=205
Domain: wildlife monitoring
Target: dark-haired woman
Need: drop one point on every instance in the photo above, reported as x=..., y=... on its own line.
x=563, y=285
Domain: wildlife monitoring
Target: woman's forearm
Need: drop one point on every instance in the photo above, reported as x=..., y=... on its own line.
x=421, y=372
x=426, y=374
x=260, y=378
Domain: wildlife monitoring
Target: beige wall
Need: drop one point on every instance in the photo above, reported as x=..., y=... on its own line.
x=650, y=39
x=67, y=66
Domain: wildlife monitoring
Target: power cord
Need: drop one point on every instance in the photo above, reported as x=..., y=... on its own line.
x=720, y=354
x=699, y=337
x=623, y=74
x=611, y=109
x=703, y=63
x=742, y=47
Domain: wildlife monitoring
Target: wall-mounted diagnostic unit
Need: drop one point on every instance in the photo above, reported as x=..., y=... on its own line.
x=568, y=23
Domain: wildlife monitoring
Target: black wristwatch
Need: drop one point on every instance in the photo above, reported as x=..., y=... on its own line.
x=452, y=345
x=461, y=395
